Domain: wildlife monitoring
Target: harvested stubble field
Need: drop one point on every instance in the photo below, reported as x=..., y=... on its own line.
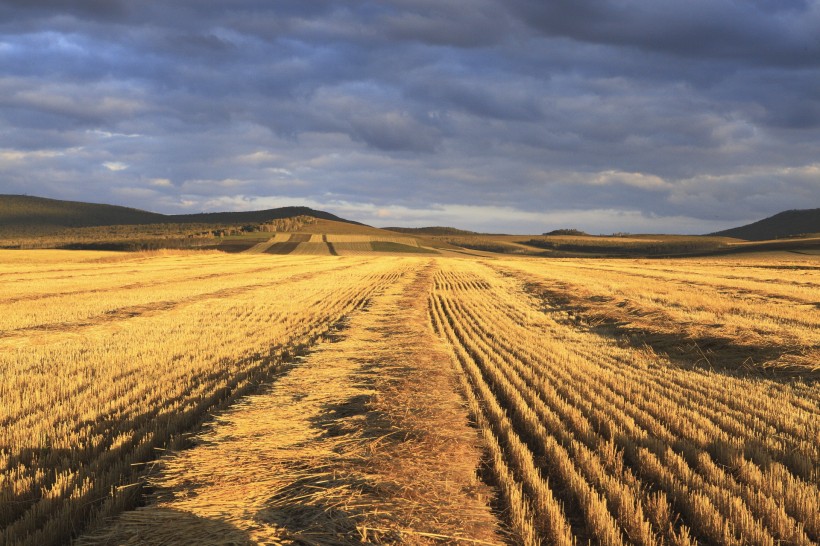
x=264, y=399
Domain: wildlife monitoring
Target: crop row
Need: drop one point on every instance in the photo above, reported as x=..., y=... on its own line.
x=84, y=406
x=594, y=441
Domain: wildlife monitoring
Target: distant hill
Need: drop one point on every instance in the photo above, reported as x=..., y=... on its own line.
x=790, y=223
x=26, y=211
x=576, y=232
x=38, y=223
x=22, y=211
x=434, y=230
x=255, y=216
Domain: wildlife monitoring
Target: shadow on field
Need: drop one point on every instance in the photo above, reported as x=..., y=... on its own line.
x=281, y=248
x=164, y=526
x=309, y=507
x=718, y=354
x=329, y=500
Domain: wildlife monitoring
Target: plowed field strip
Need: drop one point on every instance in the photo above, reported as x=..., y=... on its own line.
x=261, y=247
x=330, y=246
x=281, y=248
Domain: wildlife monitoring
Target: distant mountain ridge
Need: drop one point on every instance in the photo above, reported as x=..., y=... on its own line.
x=432, y=230
x=28, y=214
x=788, y=223
x=24, y=210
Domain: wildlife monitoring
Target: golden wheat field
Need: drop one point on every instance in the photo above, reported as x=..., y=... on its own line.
x=208, y=398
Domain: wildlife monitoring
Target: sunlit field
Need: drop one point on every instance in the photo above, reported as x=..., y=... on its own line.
x=611, y=401
x=596, y=438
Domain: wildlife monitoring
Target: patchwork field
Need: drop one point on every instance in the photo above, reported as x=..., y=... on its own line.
x=617, y=246
x=294, y=398
x=323, y=244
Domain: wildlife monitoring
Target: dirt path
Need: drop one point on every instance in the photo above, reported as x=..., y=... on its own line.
x=365, y=442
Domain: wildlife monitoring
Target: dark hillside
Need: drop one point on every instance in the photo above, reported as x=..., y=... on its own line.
x=790, y=223
x=434, y=230
x=253, y=217
x=24, y=211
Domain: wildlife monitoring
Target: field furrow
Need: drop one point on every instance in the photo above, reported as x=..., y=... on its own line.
x=83, y=410
x=60, y=312
x=350, y=446
x=765, y=326
x=635, y=448
x=615, y=402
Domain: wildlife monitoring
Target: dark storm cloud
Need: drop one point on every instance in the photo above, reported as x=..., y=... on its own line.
x=98, y=9
x=781, y=33
x=505, y=116
x=447, y=23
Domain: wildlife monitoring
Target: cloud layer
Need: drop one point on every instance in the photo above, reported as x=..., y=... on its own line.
x=516, y=115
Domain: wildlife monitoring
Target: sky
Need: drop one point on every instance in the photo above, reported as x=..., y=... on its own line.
x=514, y=116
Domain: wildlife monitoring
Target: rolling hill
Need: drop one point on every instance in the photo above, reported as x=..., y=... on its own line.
x=35, y=222
x=23, y=211
x=433, y=230
x=790, y=223
x=34, y=212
